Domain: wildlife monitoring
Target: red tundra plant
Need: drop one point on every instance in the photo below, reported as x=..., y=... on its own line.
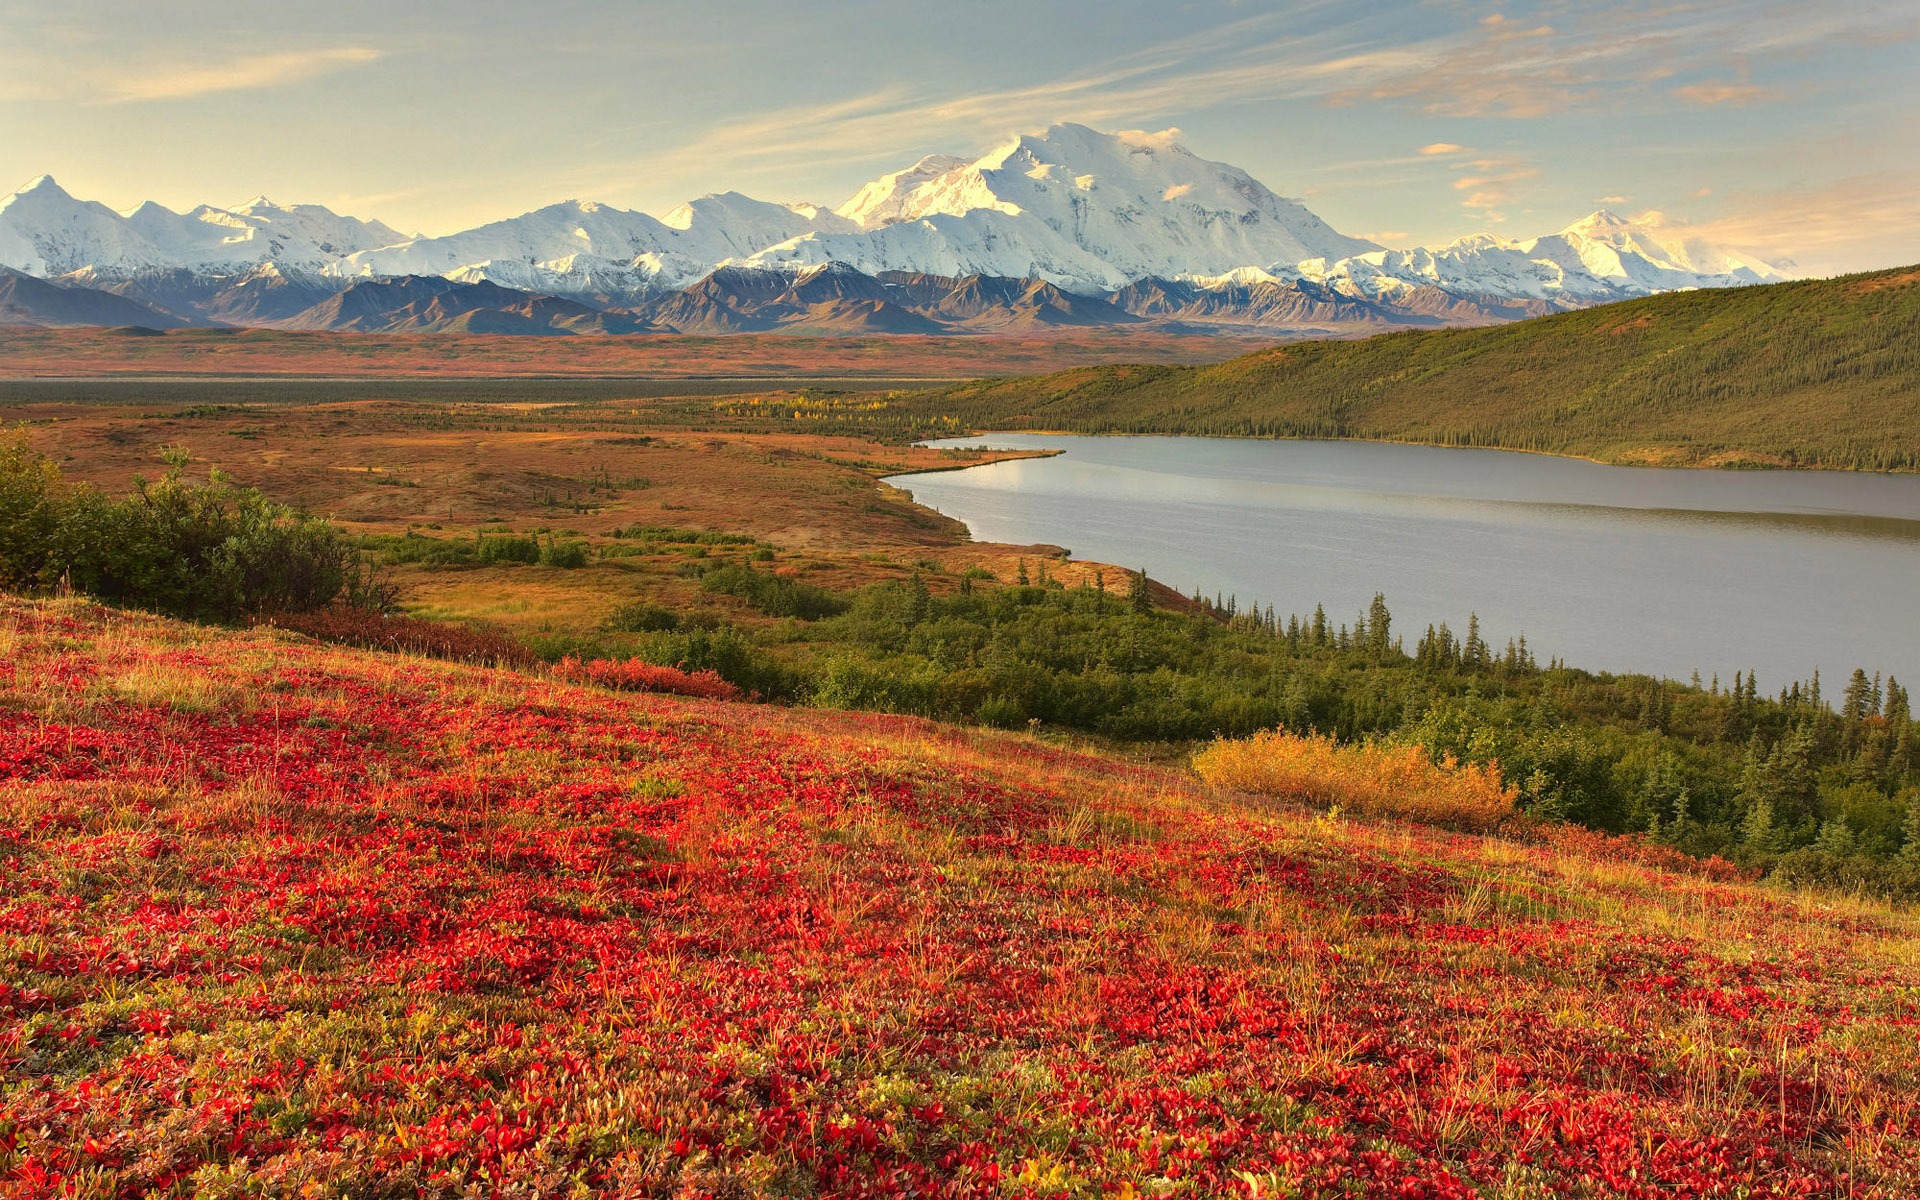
x=632, y=675
x=407, y=635
x=286, y=919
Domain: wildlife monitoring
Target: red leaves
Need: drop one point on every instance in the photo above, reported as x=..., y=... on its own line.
x=632, y=675
x=368, y=922
x=406, y=635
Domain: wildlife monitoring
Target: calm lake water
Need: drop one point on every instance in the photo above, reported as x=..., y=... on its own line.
x=1609, y=568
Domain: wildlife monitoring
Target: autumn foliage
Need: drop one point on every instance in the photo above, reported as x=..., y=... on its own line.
x=406, y=635
x=632, y=675
x=286, y=919
x=1373, y=778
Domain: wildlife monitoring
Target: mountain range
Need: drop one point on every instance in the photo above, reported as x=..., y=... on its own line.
x=1069, y=227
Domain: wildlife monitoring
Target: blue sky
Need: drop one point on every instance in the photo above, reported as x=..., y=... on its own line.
x=1785, y=128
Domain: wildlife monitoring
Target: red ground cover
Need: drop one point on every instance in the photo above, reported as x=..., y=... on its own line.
x=287, y=919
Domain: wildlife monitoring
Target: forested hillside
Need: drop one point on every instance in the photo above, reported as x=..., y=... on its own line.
x=1817, y=373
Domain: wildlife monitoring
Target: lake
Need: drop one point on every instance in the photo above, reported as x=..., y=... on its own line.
x=1609, y=568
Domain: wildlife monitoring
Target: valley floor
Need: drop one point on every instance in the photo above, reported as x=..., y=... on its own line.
x=914, y=361
x=288, y=918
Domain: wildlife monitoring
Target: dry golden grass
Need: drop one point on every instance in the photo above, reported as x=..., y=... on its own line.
x=161, y=684
x=1374, y=779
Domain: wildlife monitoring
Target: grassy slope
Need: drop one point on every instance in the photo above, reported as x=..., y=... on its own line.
x=1823, y=372
x=279, y=914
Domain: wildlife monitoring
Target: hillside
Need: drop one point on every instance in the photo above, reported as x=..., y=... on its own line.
x=290, y=917
x=1816, y=373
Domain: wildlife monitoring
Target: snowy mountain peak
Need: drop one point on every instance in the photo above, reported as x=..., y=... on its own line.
x=43, y=185
x=1598, y=223
x=1670, y=246
x=883, y=201
x=1083, y=209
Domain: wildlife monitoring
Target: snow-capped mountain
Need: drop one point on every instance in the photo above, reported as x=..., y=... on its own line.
x=885, y=200
x=580, y=247
x=1086, y=210
x=1600, y=257
x=45, y=231
x=1119, y=217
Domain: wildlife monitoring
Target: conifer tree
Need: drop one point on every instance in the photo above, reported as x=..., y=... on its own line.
x=1857, y=701
x=1379, y=622
x=1758, y=832
x=1909, y=855
x=919, y=600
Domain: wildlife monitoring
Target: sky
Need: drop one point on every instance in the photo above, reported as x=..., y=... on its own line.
x=1790, y=130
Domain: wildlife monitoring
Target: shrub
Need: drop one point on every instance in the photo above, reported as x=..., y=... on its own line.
x=209, y=551
x=641, y=617
x=507, y=548
x=1372, y=778
x=1002, y=712
x=774, y=595
x=1599, y=846
x=566, y=555
x=406, y=635
x=633, y=675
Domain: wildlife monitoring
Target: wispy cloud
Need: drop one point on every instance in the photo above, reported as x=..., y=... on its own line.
x=1604, y=59
x=1245, y=61
x=1833, y=227
x=1491, y=183
x=1712, y=95
x=1496, y=67
x=239, y=74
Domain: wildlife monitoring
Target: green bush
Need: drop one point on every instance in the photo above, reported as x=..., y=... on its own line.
x=774, y=595
x=507, y=548
x=206, y=551
x=641, y=617
x=565, y=555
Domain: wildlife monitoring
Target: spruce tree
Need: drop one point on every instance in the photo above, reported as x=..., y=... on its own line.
x=1909, y=855
x=1379, y=622
x=1139, y=598
x=1857, y=701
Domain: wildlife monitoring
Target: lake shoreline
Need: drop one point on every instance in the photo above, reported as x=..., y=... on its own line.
x=1658, y=573
x=1744, y=464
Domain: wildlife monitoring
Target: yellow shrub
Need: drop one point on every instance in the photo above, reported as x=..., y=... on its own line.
x=1374, y=778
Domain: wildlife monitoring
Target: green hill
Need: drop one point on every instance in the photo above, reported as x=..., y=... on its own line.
x=1816, y=373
